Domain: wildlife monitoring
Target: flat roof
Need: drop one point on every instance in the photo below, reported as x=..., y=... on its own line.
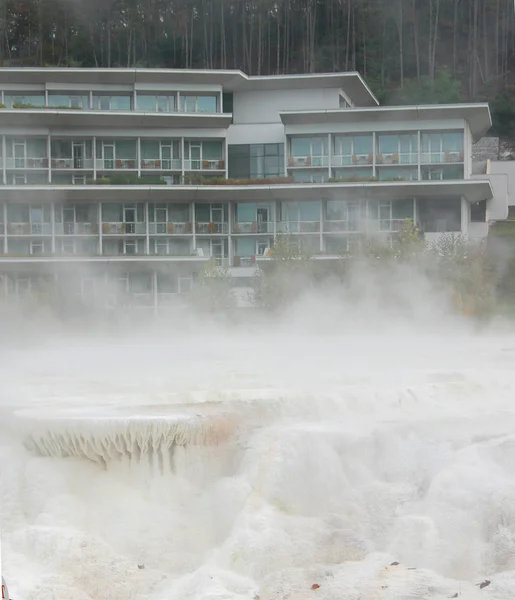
x=474, y=190
x=477, y=115
x=125, y=119
x=230, y=80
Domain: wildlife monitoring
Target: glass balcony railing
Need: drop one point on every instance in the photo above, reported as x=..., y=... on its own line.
x=441, y=157
x=340, y=226
x=29, y=229
x=107, y=164
x=253, y=227
x=161, y=164
x=72, y=163
x=26, y=163
x=212, y=228
x=351, y=160
x=244, y=261
x=204, y=165
x=308, y=161
x=298, y=226
x=76, y=228
x=120, y=228
x=170, y=228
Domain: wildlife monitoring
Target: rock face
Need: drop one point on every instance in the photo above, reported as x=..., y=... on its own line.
x=487, y=148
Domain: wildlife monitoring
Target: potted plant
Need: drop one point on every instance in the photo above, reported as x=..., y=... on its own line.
x=395, y=158
x=170, y=228
x=379, y=158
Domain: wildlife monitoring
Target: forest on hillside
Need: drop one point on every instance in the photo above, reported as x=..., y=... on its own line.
x=407, y=50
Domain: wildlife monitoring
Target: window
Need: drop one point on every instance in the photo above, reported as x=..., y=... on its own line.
x=105, y=102
x=200, y=104
x=68, y=101
x=360, y=146
x=256, y=161
x=164, y=103
x=442, y=147
x=37, y=247
x=302, y=146
x=478, y=212
x=18, y=100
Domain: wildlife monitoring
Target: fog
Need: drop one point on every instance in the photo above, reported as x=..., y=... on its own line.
x=258, y=454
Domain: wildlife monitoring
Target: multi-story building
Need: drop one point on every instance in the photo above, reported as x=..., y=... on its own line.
x=114, y=181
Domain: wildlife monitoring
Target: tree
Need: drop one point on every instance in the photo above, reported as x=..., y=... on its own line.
x=212, y=292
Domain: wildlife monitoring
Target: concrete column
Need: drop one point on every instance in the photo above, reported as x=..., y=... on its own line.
x=193, y=226
x=465, y=216
x=52, y=224
x=374, y=156
x=4, y=208
x=94, y=157
x=4, y=152
x=147, y=230
x=329, y=156
x=182, y=159
x=91, y=100
x=275, y=219
x=49, y=157
x=100, y=232
x=322, y=225
x=226, y=158
x=419, y=168
x=230, y=221
x=415, y=217
x=138, y=155
x=155, y=293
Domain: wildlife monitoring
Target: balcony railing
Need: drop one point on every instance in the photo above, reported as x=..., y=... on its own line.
x=107, y=164
x=298, y=226
x=29, y=229
x=76, y=228
x=351, y=160
x=169, y=228
x=244, y=261
x=204, y=165
x=72, y=163
x=26, y=163
x=340, y=226
x=253, y=227
x=404, y=158
x=211, y=228
x=119, y=228
x=161, y=164
x=313, y=160
x=441, y=157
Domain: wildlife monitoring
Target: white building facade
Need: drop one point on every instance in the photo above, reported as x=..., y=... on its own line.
x=114, y=181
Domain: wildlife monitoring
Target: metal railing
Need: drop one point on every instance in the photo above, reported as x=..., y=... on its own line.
x=340, y=226
x=108, y=164
x=211, y=228
x=346, y=160
x=76, y=228
x=26, y=163
x=29, y=229
x=72, y=163
x=298, y=226
x=441, y=157
x=312, y=160
x=204, y=165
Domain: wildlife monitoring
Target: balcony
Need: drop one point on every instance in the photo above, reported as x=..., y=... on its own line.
x=244, y=261
x=26, y=163
x=109, y=164
x=340, y=226
x=407, y=158
x=170, y=228
x=161, y=164
x=72, y=163
x=351, y=160
x=212, y=228
x=204, y=165
x=392, y=225
x=76, y=228
x=124, y=228
x=308, y=161
x=29, y=229
x=253, y=227
x=433, y=158
x=298, y=227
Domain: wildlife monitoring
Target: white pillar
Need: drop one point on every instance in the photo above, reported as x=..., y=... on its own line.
x=138, y=155
x=415, y=216
x=419, y=153
x=52, y=225
x=4, y=208
x=275, y=219
x=147, y=230
x=193, y=228
x=322, y=225
x=182, y=160
x=155, y=293
x=229, y=232
x=100, y=238
x=329, y=156
x=465, y=216
x=4, y=161
x=94, y=157
x=374, y=154
x=226, y=159
x=49, y=157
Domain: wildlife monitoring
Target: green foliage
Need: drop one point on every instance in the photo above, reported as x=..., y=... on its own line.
x=502, y=105
x=443, y=89
x=193, y=179
x=126, y=179
x=212, y=293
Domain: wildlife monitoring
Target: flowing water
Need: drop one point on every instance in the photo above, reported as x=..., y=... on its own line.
x=236, y=467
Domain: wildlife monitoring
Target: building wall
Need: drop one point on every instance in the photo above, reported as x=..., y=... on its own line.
x=264, y=107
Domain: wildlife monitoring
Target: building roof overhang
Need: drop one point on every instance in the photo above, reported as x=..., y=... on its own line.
x=473, y=190
x=61, y=118
x=477, y=115
x=230, y=80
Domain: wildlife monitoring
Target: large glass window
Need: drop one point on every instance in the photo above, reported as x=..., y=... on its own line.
x=111, y=102
x=68, y=101
x=442, y=147
x=256, y=161
x=203, y=104
x=308, y=146
x=348, y=145
x=155, y=102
